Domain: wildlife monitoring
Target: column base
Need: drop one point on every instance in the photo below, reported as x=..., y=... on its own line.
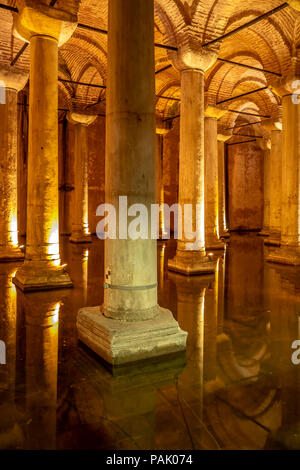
x=10, y=253
x=191, y=263
x=263, y=233
x=123, y=342
x=214, y=243
x=80, y=237
x=34, y=277
x=274, y=239
x=285, y=255
x=225, y=235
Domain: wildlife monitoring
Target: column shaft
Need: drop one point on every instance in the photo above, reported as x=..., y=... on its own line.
x=130, y=325
x=289, y=253
x=80, y=225
x=212, y=232
x=160, y=197
x=275, y=188
x=191, y=257
x=42, y=261
x=9, y=250
x=267, y=186
x=130, y=155
x=223, y=229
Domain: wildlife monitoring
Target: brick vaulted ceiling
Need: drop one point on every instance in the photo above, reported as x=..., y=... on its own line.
x=269, y=45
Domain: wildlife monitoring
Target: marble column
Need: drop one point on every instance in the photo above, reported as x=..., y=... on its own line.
x=162, y=129
x=212, y=222
x=46, y=29
x=265, y=145
x=275, y=128
x=289, y=251
x=80, y=224
x=222, y=217
x=12, y=82
x=191, y=256
x=130, y=325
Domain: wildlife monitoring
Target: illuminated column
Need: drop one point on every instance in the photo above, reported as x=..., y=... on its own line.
x=223, y=229
x=10, y=84
x=162, y=129
x=130, y=325
x=80, y=226
x=265, y=145
x=46, y=29
x=289, y=252
x=212, y=222
x=191, y=256
x=275, y=127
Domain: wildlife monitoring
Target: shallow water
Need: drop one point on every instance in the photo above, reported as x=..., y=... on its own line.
x=236, y=387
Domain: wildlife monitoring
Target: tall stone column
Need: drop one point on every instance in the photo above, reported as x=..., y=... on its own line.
x=130, y=325
x=162, y=129
x=13, y=83
x=212, y=222
x=275, y=127
x=46, y=29
x=222, y=217
x=289, y=251
x=191, y=256
x=265, y=145
x=80, y=224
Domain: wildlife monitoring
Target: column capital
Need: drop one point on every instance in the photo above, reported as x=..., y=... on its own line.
x=163, y=127
x=294, y=4
x=76, y=117
x=15, y=80
x=223, y=137
x=214, y=112
x=191, y=55
x=272, y=124
x=265, y=144
x=290, y=83
x=37, y=19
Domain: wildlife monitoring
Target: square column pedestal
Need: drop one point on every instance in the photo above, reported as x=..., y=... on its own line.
x=123, y=342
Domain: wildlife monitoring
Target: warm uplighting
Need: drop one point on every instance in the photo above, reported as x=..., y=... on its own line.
x=14, y=230
x=55, y=315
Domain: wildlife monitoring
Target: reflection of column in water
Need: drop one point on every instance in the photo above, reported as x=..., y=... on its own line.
x=10, y=432
x=79, y=261
x=191, y=292
x=42, y=319
x=220, y=280
x=244, y=267
x=213, y=318
x=284, y=326
x=129, y=395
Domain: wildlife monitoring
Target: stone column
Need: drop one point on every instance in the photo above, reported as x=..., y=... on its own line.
x=275, y=127
x=11, y=83
x=80, y=224
x=265, y=145
x=162, y=129
x=130, y=325
x=222, y=217
x=191, y=256
x=289, y=252
x=212, y=222
x=46, y=29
